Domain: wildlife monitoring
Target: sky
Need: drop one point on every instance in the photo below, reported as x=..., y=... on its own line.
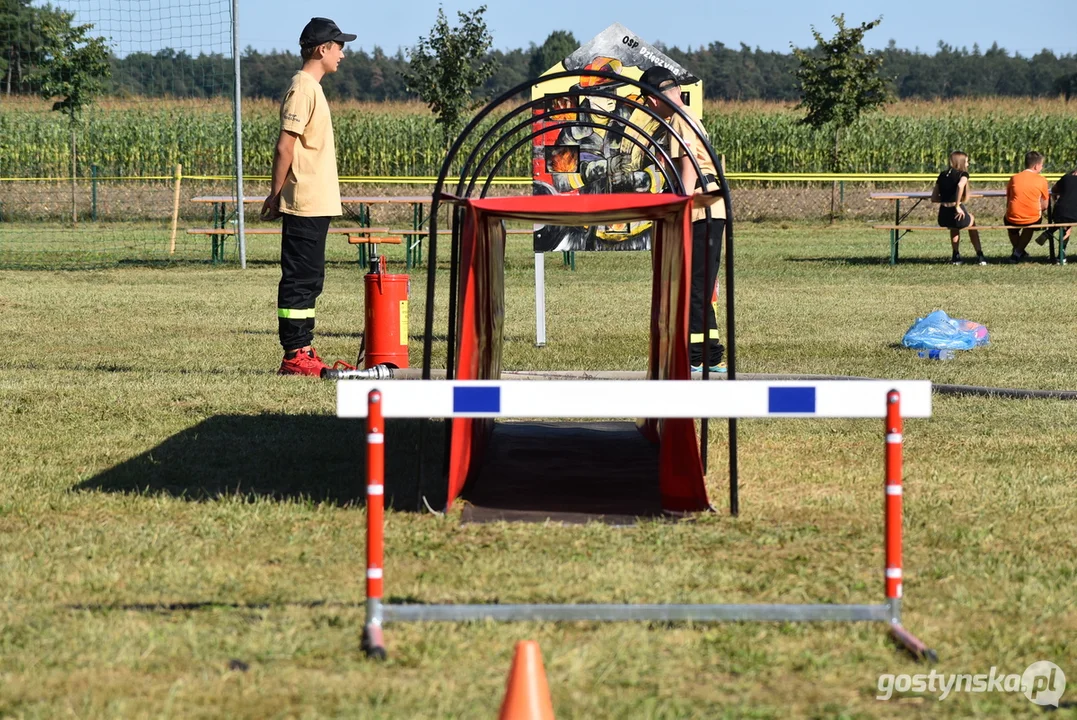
x=912, y=24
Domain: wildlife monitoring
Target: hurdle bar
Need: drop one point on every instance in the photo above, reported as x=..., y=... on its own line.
x=588, y=399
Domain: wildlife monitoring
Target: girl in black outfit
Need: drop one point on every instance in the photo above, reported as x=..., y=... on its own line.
x=951, y=191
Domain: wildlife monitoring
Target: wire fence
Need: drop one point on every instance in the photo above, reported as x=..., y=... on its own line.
x=103, y=214
x=103, y=219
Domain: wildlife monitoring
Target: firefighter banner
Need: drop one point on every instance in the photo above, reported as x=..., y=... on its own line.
x=582, y=159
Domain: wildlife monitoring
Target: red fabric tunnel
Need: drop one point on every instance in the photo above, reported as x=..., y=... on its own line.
x=480, y=320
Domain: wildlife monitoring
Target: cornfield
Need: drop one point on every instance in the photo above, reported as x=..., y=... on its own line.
x=127, y=138
x=894, y=143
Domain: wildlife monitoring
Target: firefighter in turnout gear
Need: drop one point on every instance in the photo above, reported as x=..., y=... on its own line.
x=702, y=323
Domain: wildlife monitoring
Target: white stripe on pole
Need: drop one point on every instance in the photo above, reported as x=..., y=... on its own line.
x=634, y=398
x=540, y=300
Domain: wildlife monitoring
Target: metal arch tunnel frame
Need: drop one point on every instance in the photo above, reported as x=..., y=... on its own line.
x=889, y=611
x=517, y=145
x=454, y=259
x=540, y=292
x=505, y=136
x=454, y=150
x=504, y=120
x=540, y=297
x=454, y=265
x=734, y=499
x=470, y=128
x=511, y=133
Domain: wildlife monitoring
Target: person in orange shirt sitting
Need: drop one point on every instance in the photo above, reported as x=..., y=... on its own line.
x=1026, y=199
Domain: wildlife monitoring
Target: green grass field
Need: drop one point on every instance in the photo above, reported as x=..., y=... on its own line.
x=168, y=505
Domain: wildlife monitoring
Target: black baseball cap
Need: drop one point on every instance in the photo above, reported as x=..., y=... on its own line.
x=320, y=31
x=658, y=77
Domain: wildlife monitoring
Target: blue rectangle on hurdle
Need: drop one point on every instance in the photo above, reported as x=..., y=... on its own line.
x=476, y=399
x=791, y=400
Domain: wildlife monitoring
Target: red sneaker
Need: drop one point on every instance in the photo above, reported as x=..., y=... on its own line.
x=305, y=362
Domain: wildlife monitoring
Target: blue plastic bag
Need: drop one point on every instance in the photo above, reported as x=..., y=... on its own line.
x=939, y=331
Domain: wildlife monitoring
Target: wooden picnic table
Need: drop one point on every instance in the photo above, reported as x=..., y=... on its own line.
x=898, y=230
x=388, y=199
x=919, y=196
x=926, y=195
x=413, y=237
x=361, y=215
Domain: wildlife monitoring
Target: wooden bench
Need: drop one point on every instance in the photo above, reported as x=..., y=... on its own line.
x=895, y=238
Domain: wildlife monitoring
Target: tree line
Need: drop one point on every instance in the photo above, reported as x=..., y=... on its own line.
x=727, y=73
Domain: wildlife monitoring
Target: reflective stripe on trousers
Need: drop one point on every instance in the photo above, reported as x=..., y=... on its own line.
x=295, y=313
x=697, y=338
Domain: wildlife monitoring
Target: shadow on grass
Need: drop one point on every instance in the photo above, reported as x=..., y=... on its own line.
x=309, y=458
x=870, y=260
x=212, y=605
x=186, y=607
x=358, y=335
x=75, y=261
x=79, y=260
x=330, y=262
x=38, y=365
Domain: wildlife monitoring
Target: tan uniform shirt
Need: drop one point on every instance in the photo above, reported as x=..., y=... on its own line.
x=692, y=134
x=312, y=188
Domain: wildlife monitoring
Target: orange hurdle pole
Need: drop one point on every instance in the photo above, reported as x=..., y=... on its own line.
x=373, y=640
x=894, y=447
x=893, y=575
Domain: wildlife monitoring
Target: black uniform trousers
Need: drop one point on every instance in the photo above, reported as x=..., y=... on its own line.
x=302, y=274
x=702, y=324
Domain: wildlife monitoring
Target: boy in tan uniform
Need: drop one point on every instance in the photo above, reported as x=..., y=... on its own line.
x=702, y=323
x=305, y=194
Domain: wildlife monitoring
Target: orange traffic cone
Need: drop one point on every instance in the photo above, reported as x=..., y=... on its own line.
x=527, y=695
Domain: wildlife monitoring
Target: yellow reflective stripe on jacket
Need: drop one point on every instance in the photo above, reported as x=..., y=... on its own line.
x=295, y=314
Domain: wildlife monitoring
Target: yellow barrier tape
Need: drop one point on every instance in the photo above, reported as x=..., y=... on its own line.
x=430, y=180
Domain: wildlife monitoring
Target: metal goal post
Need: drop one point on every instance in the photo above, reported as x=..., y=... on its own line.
x=890, y=400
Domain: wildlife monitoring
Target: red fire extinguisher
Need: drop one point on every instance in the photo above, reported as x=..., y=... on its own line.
x=385, y=334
